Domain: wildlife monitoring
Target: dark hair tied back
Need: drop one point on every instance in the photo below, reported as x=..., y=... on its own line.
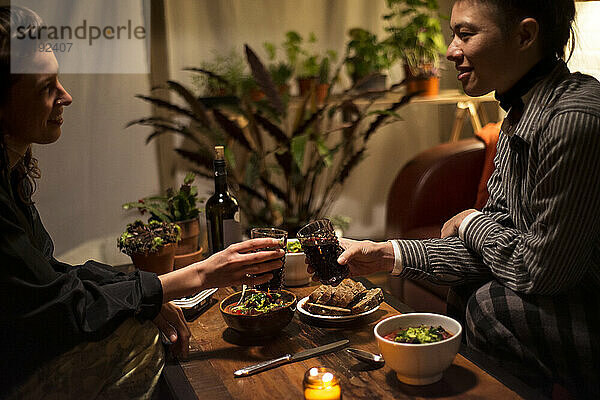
x=555, y=18
x=27, y=169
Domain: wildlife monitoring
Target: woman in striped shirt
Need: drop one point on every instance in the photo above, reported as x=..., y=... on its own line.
x=528, y=265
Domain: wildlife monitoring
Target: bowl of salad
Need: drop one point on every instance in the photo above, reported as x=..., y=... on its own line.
x=295, y=267
x=419, y=347
x=259, y=313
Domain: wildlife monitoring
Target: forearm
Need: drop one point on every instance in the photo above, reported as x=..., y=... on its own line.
x=444, y=261
x=182, y=282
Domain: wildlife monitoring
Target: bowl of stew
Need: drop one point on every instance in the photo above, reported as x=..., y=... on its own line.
x=259, y=313
x=419, y=347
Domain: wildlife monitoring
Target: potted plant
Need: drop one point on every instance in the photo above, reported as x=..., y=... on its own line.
x=283, y=174
x=180, y=207
x=151, y=246
x=308, y=64
x=366, y=59
x=281, y=71
x=415, y=37
x=236, y=79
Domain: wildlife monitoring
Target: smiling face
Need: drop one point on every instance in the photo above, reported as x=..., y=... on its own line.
x=485, y=57
x=34, y=106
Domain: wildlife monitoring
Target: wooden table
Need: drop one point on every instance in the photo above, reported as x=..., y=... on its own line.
x=217, y=351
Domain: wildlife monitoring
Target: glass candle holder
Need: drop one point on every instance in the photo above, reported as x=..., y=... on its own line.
x=276, y=282
x=320, y=383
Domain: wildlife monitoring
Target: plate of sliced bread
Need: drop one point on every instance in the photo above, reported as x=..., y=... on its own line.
x=349, y=300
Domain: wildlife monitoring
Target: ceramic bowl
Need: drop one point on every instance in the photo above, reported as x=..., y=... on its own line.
x=267, y=324
x=295, y=269
x=418, y=364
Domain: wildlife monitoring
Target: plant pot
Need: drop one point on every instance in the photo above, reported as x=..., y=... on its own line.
x=160, y=262
x=257, y=95
x=306, y=84
x=184, y=260
x=427, y=86
x=190, y=231
x=373, y=82
x=322, y=89
x=283, y=89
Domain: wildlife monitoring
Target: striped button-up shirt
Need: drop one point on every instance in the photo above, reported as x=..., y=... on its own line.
x=539, y=232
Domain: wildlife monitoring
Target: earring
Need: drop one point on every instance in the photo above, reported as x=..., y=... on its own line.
x=59, y=102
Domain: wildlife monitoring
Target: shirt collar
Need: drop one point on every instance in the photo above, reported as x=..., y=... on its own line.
x=521, y=120
x=512, y=98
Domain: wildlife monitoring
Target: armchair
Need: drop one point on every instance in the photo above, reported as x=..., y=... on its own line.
x=434, y=186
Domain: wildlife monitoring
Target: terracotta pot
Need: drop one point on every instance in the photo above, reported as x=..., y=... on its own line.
x=427, y=86
x=184, y=260
x=159, y=262
x=306, y=84
x=257, y=95
x=190, y=231
x=283, y=90
x=322, y=89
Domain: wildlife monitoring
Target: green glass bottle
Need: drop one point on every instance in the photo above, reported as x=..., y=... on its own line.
x=222, y=210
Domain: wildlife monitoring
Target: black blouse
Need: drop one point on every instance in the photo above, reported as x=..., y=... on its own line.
x=48, y=307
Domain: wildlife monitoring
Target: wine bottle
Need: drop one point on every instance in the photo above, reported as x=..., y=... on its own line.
x=222, y=210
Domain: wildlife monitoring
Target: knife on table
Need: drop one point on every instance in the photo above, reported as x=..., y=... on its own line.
x=289, y=358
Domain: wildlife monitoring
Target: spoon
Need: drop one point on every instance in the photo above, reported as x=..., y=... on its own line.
x=242, y=296
x=365, y=356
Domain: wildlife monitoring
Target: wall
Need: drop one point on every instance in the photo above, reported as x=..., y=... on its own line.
x=97, y=164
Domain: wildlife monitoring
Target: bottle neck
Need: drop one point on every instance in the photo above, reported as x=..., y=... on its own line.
x=220, y=176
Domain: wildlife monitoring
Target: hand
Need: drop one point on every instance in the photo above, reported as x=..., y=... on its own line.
x=237, y=263
x=171, y=322
x=364, y=257
x=451, y=226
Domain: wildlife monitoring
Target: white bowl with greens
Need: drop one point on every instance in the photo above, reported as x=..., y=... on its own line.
x=295, y=268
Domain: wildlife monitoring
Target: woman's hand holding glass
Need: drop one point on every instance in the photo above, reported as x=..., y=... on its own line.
x=242, y=263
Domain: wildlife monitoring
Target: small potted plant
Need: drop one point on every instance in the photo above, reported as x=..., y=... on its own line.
x=180, y=207
x=366, y=60
x=151, y=246
x=281, y=71
x=415, y=37
x=306, y=61
x=237, y=81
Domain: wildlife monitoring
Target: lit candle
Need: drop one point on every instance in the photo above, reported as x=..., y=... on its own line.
x=320, y=383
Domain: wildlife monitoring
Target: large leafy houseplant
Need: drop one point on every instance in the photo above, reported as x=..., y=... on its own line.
x=366, y=55
x=415, y=35
x=286, y=164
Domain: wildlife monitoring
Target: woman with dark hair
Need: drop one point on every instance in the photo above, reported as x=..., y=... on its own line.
x=527, y=267
x=80, y=331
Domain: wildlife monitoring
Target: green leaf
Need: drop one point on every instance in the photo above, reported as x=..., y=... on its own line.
x=324, y=151
x=252, y=170
x=298, y=146
x=196, y=106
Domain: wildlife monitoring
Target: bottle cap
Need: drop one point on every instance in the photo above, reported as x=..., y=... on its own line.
x=219, y=153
